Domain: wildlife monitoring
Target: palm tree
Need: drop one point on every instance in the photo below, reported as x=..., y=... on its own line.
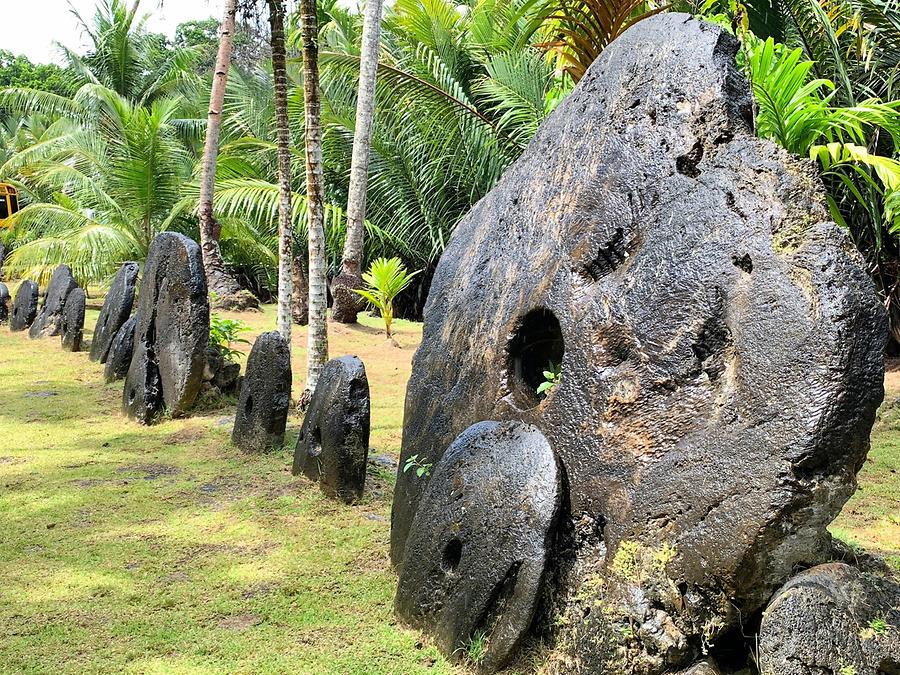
x=104, y=166
x=346, y=303
x=317, y=347
x=283, y=142
x=101, y=181
x=217, y=277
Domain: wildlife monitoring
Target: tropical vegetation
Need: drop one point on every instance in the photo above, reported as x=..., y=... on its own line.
x=461, y=88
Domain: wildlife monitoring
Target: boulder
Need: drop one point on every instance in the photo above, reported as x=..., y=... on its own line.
x=719, y=342
x=227, y=378
x=265, y=397
x=171, y=333
x=116, y=310
x=24, y=307
x=118, y=358
x=477, y=553
x=832, y=618
x=333, y=445
x=73, y=321
x=4, y=303
x=48, y=322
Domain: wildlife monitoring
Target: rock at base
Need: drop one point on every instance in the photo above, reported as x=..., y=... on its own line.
x=4, y=303
x=477, y=551
x=72, y=326
x=25, y=307
x=265, y=397
x=116, y=310
x=118, y=358
x=833, y=618
x=333, y=446
x=48, y=322
x=172, y=332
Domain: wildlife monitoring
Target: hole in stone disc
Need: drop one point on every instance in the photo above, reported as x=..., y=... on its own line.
x=536, y=347
x=315, y=446
x=452, y=556
x=132, y=395
x=248, y=406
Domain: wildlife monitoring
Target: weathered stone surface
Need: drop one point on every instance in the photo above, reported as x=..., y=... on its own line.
x=24, y=307
x=48, y=322
x=833, y=618
x=4, y=303
x=721, y=347
x=265, y=396
x=477, y=552
x=72, y=327
x=333, y=445
x=116, y=310
x=226, y=379
x=118, y=358
x=172, y=331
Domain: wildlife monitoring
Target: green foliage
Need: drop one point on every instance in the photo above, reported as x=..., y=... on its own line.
x=476, y=647
x=223, y=333
x=19, y=71
x=847, y=670
x=385, y=279
x=879, y=626
x=422, y=468
x=552, y=376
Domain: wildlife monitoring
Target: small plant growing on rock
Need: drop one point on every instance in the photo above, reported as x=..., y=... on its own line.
x=385, y=279
x=223, y=333
x=421, y=468
x=552, y=376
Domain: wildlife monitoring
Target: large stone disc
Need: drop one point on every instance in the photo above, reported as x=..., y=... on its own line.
x=478, y=548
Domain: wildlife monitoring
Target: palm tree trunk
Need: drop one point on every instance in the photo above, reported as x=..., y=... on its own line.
x=317, y=352
x=300, y=309
x=346, y=303
x=283, y=142
x=217, y=277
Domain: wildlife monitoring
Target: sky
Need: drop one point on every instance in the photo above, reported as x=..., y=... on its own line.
x=31, y=27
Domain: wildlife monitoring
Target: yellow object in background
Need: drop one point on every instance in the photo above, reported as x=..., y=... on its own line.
x=9, y=203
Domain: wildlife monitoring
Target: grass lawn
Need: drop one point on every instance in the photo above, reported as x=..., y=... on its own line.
x=163, y=549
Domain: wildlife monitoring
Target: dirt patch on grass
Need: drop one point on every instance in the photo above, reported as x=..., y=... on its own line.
x=240, y=622
x=184, y=436
x=150, y=471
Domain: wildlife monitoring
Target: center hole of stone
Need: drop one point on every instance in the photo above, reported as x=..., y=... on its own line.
x=452, y=556
x=535, y=356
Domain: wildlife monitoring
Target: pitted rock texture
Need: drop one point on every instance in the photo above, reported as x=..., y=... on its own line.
x=73, y=321
x=118, y=358
x=171, y=333
x=265, y=397
x=48, y=322
x=832, y=618
x=4, y=303
x=721, y=345
x=25, y=307
x=333, y=446
x=116, y=310
x=477, y=552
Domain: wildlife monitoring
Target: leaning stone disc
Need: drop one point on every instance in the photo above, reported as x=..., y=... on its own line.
x=116, y=310
x=477, y=551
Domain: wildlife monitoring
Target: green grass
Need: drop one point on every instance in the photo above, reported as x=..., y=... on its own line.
x=871, y=519
x=164, y=549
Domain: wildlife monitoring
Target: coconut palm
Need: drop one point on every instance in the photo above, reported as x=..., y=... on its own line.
x=108, y=170
x=317, y=343
x=217, y=277
x=346, y=305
